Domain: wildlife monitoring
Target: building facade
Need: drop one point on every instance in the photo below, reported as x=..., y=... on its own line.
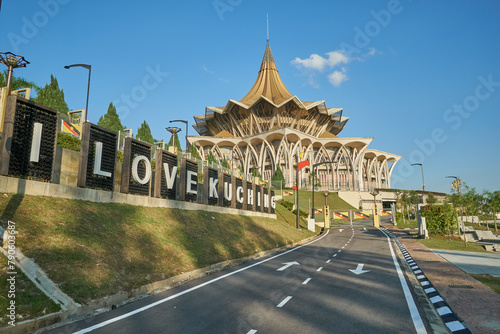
x=270, y=128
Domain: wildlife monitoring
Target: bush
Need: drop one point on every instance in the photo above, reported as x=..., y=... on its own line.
x=439, y=218
x=68, y=141
x=288, y=205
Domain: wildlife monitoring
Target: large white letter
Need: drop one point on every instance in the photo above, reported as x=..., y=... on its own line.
x=98, y=160
x=258, y=198
x=266, y=200
x=239, y=194
x=228, y=191
x=135, y=165
x=170, y=178
x=213, y=188
x=250, y=196
x=273, y=203
x=36, y=140
x=190, y=182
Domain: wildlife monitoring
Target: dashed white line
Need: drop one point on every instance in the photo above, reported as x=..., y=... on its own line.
x=339, y=251
x=334, y=255
x=328, y=261
x=306, y=281
x=284, y=301
x=319, y=269
x=252, y=331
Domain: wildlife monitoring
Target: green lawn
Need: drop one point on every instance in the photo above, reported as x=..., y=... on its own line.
x=485, y=226
x=95, y=249
x=305, y=202
x=491, y=281
x=407, y=223
x=454, y=243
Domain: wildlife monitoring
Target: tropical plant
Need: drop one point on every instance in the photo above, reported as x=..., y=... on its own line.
x=144, y=134
x=110, y=120
x=278, y=177
x=16, y=82
x=211, y=158
x=431, y=199
x=439, y=218
x=52, y=96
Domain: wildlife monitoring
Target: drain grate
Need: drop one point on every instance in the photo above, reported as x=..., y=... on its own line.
x=460, y=286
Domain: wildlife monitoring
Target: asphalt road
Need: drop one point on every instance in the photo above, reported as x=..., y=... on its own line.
x=343, y=282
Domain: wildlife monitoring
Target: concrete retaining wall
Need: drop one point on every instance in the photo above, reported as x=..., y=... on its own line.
x=36, y=188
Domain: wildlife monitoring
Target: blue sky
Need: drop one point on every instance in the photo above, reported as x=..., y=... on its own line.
x=422, y=77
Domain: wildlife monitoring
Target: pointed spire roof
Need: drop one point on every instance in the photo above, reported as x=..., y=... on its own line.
x=268, y=83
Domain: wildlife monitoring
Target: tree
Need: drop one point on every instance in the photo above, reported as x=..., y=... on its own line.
x=175, y=140
x=144, y=133
x=194, y=152
x=225, y=164
x=111, y=120
x=53, y=97
x=492, y=202
x=278, y=177
x=16, y=82
x=211, y=158
x=431, y=199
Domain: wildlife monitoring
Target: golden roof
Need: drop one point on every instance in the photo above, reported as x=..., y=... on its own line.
x=268, y=83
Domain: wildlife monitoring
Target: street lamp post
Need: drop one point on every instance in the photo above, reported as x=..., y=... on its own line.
x=173, y=130
x=11, y=61
x=185, y=122
x=88, y=67
x=376, y=221
x=314, y=167
x=423, y=182
x=460, y=200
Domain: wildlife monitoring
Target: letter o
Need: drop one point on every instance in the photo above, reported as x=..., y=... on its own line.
x=135, y=165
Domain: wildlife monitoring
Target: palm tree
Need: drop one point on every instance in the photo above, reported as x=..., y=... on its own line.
x=493, y=205
x=16, y=82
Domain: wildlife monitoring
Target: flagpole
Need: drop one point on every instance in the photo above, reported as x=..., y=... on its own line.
x=297, y=191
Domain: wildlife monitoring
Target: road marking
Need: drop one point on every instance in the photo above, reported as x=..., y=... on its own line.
x=288, y=264
x=341, y=230
x=359, y=269
x=284, y=301
x=252, y=331
x=306, y=281
x=339, y=251
x=334, y=255
x=328, y=261
x=161, y=301
x=319, y=269
x=415, y=316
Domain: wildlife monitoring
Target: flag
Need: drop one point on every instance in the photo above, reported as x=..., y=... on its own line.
x=286, y=193
x=294, y=187
x=70, y=128
x=338, y=215
x=360, y=215
x=318, y=211
x=303, y=164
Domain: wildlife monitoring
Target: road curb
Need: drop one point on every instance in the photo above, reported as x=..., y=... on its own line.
x=449, y=318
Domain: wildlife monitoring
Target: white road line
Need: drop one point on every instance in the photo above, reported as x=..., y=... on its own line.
x=306, y=281
x=415, y=316
x=161, y=301
x=319, y=269
x=339, y=251
x=328, y=261
x=252, y=331
x=284, y=301
x=334, y=255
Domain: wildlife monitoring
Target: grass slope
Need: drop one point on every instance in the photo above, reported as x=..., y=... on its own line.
x=94, y=249
x=305, y=201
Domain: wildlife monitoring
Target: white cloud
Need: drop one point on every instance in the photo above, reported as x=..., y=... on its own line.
x=317, y=63
x=337, y=77
x=206, y=69
x=314, y=62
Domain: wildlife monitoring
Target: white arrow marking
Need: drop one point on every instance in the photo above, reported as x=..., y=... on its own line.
x=364, y=228
x=341, y=230
x=288, y=264
x=359, y=269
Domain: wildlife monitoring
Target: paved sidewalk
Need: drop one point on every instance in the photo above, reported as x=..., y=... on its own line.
x=478, y=307
x=472, y=262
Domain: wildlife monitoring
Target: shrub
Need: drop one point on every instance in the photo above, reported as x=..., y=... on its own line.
x=439, y=218
x=68, y=141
